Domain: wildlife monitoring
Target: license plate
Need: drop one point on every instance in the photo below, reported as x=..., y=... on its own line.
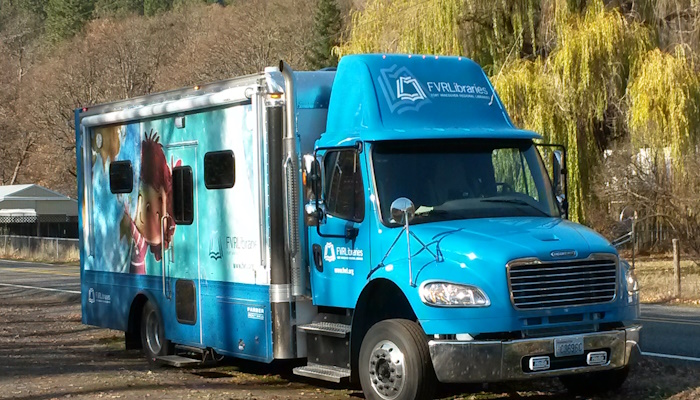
x=568, y=346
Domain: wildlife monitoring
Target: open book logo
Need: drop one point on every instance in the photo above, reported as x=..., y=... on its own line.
x=329, y=252
x=408, y=88
x=402, y=90
x=215, y=252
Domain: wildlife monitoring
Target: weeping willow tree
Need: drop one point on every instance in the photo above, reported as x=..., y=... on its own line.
x=664, y=106
x=488, y=32
x=404, y=26
x=494, y=32
x=573, y=97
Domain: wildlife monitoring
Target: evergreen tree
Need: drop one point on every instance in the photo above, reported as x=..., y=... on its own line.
x=326, y=33
x=34, y=6
x=118, y=7
x=64, y=18
x=153, y=7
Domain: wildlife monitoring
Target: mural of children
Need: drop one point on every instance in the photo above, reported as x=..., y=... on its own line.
x=154, y=201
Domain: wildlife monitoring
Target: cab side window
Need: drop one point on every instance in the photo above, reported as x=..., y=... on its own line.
x=344, y=191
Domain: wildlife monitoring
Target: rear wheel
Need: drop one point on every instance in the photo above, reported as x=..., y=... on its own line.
x=395, y=363
x=595, y=382
x=153, y=333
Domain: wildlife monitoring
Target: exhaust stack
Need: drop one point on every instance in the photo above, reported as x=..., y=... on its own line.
x=291, y=187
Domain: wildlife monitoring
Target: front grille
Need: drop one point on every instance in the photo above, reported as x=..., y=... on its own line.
x=535, y=284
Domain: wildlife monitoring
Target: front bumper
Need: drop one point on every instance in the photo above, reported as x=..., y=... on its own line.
x=494, y=360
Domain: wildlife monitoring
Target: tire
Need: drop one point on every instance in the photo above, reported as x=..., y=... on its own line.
x=394, y=362
x=595, y=382
x=153, y=339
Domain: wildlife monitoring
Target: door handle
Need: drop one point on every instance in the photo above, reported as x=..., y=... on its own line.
x=162, y=254
x=171, y=242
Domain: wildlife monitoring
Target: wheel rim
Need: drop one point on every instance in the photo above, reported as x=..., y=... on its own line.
x=153, y=333
x=386, y=370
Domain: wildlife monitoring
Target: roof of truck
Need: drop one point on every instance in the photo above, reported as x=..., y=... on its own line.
x=403, y=96
x=419, y=134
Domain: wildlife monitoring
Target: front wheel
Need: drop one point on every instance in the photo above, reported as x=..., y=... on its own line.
x=595, y=382
x=394, y=362
x=153, y=333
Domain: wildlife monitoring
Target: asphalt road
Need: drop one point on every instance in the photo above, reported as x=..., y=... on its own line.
x=671, y=332
x=19, y=275
x=668, y=332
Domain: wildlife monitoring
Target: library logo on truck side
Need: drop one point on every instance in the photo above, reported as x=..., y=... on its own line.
x=329, y=252
x=402, y=91
x=215, y=252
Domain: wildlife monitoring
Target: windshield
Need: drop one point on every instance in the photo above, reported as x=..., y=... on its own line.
x=459, y=179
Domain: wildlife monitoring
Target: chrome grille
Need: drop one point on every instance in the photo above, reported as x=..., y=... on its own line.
x=535, y=284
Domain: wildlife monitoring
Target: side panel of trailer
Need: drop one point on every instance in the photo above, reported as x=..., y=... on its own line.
x=163, y=218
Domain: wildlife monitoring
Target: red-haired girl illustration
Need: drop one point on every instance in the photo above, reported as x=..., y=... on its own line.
x=154, y=207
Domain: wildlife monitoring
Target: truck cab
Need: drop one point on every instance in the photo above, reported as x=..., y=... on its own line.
x=438, y=243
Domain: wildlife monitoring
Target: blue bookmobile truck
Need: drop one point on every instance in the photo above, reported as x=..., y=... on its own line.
x=385, y=221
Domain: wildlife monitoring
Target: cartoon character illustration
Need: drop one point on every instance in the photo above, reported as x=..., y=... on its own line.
x=153, y=208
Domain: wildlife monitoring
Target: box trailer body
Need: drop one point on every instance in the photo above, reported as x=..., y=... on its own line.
x=203, y=229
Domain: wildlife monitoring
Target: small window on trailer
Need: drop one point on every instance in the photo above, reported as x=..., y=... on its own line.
x=121, y=177
x=183, y=195
x=219, y=169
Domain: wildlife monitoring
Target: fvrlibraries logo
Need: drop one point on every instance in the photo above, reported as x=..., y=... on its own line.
x=215, y=252
x=329, y=252
x=408, y=94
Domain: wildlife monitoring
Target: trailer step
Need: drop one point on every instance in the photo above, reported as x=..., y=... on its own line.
x=334, y=329
x=188, y=349
x=178, y=361
x=323, y=372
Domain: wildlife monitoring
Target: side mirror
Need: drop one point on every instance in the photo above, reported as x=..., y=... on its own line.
x=402, y=210
x=311, y=179
x=556, y=172
x=559, y=180
x=628, y=217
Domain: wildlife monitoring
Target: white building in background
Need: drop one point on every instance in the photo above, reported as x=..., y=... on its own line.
x=33, y=210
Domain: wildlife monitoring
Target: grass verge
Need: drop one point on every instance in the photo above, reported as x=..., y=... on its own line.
x=45, y=253
x=657, y=284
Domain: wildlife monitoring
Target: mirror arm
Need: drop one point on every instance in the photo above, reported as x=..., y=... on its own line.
x=351, y=232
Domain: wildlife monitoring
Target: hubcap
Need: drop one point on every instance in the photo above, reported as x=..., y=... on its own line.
x=386, y=370
x=153, y=333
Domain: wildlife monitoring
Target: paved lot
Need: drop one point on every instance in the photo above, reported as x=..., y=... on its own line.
x=46, y=353
x=671, y=332
x=41, y=277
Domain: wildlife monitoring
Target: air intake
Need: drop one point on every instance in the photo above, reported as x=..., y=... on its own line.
x=536, y=284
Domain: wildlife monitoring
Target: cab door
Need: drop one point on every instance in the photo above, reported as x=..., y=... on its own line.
x=340, y=244
x=180, y=256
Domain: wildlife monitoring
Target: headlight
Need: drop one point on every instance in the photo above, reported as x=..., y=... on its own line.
x=631, y=283
x=630, y=278
x=444, y=294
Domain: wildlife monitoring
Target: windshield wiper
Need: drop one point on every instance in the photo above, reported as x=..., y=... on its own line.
x=432, y=212
x=515, y=201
